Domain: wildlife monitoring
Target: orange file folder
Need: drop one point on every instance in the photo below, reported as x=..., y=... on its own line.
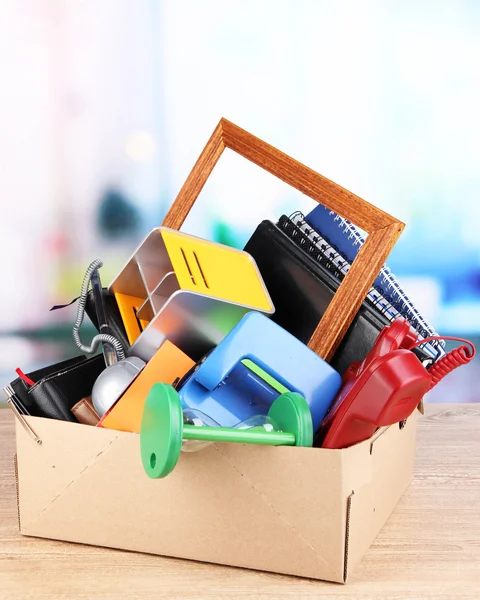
x=168, y=363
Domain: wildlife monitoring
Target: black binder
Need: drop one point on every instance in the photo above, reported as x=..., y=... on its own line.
x=301, y=289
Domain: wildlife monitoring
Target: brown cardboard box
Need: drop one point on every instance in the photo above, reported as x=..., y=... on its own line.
x=301, y=511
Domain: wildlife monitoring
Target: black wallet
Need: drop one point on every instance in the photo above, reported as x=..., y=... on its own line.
x=301, y=289
x=59, y=387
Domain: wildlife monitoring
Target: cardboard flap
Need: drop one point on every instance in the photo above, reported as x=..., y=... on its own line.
x=357, y=466
x=392, y=454
x=207, y=509
x=294, y=482
x=44, y=471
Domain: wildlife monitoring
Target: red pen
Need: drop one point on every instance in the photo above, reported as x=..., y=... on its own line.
x=24, y=377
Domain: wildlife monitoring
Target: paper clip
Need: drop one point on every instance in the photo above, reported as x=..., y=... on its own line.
x=11, y=402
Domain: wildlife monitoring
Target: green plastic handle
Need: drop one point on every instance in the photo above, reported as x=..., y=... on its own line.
x=163, y=430
x=240, y=436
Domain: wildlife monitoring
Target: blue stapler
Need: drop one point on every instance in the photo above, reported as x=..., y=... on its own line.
x=255, y=363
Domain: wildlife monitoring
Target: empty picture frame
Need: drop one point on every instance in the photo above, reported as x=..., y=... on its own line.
x=383, y=229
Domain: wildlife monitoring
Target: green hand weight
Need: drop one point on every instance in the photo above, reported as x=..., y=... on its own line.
x=163, y=430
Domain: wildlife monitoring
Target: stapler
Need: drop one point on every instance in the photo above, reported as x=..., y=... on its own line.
x=386, y=387
x=254, y=364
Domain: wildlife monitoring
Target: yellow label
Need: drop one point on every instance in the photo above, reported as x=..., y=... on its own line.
x=216, y=270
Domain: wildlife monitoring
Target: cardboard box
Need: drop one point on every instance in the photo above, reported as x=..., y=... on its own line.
x=300, y=511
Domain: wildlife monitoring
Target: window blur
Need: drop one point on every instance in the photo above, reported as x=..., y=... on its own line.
x=105, y=106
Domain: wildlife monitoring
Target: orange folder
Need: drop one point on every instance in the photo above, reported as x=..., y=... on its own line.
x=168, y=363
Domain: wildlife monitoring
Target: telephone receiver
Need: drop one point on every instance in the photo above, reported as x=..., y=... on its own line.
x=385, y=388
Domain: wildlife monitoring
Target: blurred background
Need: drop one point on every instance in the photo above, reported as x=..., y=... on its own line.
x=106, y=104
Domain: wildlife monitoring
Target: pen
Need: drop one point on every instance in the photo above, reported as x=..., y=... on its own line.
x=103, y=327
x=12, y=396
x=12, y=401
x=24, y=377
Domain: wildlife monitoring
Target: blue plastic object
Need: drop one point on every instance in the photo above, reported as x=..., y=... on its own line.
x=229, y=391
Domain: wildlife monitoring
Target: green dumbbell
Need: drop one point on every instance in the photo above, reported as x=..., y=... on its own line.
x=163, y=429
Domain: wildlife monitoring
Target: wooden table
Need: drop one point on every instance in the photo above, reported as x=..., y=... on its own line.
x=430, y=547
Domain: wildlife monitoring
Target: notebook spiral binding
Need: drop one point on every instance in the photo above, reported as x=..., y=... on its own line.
x=327, y=255
x=402, y=301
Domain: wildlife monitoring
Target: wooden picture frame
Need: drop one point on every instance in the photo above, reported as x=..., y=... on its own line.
x=383, y=229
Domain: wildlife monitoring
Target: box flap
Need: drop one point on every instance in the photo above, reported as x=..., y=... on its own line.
x=45, y=470
x=294, y=481
x=210, y=508
x=392, y=453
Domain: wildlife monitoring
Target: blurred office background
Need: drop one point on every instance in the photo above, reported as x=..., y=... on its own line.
x=106, y=104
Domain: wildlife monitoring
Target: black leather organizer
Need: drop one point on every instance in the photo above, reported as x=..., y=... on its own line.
x=59, y=387
x=301, y=289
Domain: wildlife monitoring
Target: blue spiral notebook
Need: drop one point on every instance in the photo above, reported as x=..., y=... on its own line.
x=341, y=240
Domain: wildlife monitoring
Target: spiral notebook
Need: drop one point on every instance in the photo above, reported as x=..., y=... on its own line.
x=386, y=295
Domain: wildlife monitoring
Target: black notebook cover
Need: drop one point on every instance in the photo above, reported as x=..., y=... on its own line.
x=301, y=290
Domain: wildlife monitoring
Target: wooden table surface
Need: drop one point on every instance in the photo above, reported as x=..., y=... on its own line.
x=430, y=547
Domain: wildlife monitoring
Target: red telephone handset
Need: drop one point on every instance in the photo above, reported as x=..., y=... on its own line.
x=385, y=388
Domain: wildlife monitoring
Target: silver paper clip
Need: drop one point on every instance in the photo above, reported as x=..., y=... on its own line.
x=11, y=402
